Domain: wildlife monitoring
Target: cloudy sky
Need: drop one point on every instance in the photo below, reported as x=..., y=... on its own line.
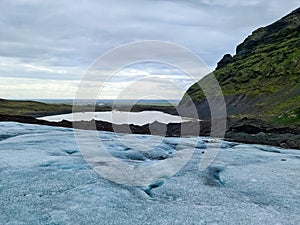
x=47, y=46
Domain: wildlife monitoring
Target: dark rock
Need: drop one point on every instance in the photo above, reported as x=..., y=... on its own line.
x=255, y=131
x=245, y=130
x=227, y=58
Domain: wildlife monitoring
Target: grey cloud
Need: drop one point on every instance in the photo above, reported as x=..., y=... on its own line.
x=74, y=33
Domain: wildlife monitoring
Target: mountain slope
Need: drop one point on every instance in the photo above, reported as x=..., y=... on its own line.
x=262, y=79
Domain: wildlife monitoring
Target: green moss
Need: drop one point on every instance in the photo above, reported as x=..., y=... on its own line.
x=288, y=118
x=29, y=108
x=267, y=69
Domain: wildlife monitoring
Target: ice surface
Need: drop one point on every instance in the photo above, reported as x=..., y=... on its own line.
x=45, y=180
x=117, y=117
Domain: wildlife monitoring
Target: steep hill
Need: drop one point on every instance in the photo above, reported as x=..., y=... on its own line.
x=262, y=79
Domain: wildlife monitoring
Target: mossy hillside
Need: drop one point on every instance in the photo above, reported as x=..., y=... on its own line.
x=267, y=68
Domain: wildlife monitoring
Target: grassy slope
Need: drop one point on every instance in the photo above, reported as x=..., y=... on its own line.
x=30, y=108
x=33, y=108
x=267, y=68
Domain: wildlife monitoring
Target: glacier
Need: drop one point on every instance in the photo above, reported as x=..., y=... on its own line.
x=44, y=179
